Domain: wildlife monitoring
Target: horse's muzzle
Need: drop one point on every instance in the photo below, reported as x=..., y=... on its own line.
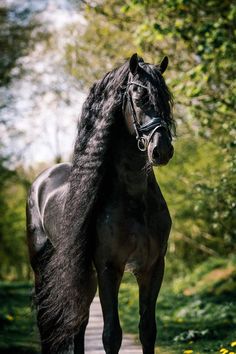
x=159, y=157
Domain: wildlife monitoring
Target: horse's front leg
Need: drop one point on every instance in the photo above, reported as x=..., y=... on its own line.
x=109, y=279
x=149, y=286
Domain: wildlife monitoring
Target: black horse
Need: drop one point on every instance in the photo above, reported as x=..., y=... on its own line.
x=104, y=213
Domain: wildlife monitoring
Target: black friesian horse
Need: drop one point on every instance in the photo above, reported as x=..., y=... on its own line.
x=90, y=220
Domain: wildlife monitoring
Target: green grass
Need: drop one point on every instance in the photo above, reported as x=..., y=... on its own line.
x=18, y=332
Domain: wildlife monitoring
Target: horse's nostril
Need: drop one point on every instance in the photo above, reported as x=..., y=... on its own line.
x=155, y=154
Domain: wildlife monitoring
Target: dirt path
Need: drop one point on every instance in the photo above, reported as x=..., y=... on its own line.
x=93, y=338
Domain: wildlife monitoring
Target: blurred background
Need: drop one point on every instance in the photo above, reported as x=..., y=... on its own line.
x=51, y=51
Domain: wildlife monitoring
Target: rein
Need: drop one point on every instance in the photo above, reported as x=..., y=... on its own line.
x=144, y=132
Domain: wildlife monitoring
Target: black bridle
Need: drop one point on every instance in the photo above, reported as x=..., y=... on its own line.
x=144, y=132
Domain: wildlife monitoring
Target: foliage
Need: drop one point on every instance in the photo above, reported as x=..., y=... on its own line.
x=18, y=333
x=90, y=62
x=13, y=255
x=192, y=210
x=15, y=42
x=20, y=33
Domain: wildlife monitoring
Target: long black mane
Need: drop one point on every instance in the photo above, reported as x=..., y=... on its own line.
x=64, y=295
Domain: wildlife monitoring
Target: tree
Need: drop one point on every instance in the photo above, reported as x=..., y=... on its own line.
x=13, y=255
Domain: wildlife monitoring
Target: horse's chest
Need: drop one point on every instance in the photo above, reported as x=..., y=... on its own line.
x=145, y=241
x=128, y=234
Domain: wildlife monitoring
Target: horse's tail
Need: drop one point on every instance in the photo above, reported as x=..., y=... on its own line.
x=64, y=299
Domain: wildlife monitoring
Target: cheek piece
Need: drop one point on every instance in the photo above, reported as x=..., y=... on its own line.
x=144, y=132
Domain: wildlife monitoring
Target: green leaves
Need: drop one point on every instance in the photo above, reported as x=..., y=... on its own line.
x=13, y=252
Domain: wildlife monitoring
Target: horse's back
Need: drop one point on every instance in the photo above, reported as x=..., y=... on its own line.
x=44, y=207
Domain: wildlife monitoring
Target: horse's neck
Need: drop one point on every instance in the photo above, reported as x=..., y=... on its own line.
x=130, y=166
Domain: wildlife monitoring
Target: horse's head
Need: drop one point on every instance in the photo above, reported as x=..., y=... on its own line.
x=148, y=109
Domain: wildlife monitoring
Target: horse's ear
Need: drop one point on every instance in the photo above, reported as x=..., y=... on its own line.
x=133, y=64
x=164, y=64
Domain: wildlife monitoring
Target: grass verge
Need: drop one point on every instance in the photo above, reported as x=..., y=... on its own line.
x=18, y=332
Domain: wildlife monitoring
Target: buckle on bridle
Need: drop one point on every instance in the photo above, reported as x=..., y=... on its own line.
x=142, y=143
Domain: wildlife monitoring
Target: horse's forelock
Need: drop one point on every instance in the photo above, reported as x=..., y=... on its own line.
x=158, y=92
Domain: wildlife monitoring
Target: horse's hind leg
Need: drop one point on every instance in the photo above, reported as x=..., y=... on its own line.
x=149, y=286
x=109, y=280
